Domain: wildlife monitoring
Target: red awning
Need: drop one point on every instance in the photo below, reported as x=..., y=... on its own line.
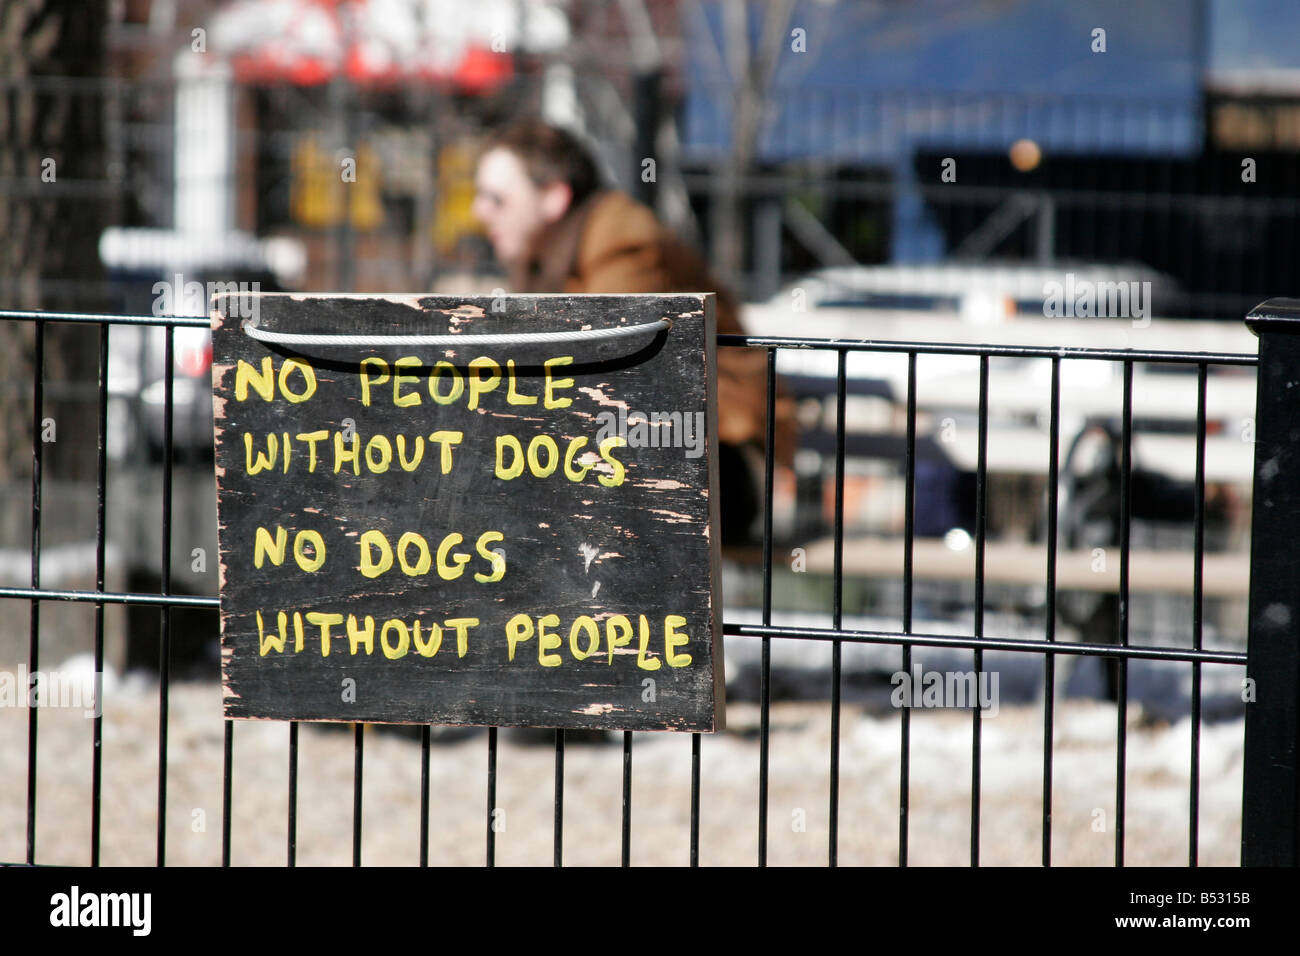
x=382, y=42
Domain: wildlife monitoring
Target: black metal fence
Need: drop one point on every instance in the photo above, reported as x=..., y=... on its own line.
x=1271, y=660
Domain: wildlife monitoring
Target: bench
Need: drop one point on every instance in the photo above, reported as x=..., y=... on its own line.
x=1224, y=575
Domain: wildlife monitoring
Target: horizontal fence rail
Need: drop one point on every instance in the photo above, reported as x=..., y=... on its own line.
x=1268, y=733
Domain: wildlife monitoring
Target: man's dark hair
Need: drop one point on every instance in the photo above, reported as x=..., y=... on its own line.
x=550, y=154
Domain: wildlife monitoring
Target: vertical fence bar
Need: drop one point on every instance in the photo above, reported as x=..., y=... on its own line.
x=227, y=771
x=1198, y=602
x=981, y=522
x=765, y=695
x=358, y=759
x=164, y=635
x=293, y=794
x=909, y=539
x=1270, y=809
x=426, y=733
x=627, y=799
x=559, y=798
x=837, y=612
x=1125, y=530
x=101, y=483
x=492, y=797
x=34, y=637
x=1049, y=660
x=695, y=800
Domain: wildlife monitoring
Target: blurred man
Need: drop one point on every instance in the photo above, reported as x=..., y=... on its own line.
x=556, y=229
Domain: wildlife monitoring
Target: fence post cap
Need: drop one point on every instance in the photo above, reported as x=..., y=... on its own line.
x=1274, y=315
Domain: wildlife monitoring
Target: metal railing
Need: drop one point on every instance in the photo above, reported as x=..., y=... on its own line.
x=1269, y=814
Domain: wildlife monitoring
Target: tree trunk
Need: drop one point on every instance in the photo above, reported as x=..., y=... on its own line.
x=751, y=75
x=49, y=235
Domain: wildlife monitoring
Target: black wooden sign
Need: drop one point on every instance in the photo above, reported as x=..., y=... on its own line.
x=517, y=533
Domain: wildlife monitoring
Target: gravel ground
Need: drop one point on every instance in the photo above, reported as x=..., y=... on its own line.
x=1011, y=811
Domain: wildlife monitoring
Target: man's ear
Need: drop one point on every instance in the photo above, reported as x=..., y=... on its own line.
x=556, y=199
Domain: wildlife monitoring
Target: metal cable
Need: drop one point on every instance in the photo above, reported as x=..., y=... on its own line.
x=509, y=338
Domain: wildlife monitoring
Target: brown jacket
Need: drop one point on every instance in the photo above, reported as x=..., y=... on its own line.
x=610, y=243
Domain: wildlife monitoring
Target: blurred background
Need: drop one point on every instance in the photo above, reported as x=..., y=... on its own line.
x=197, y=135
x=918, y=170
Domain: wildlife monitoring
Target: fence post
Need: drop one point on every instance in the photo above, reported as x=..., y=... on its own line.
x=1270, y=819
